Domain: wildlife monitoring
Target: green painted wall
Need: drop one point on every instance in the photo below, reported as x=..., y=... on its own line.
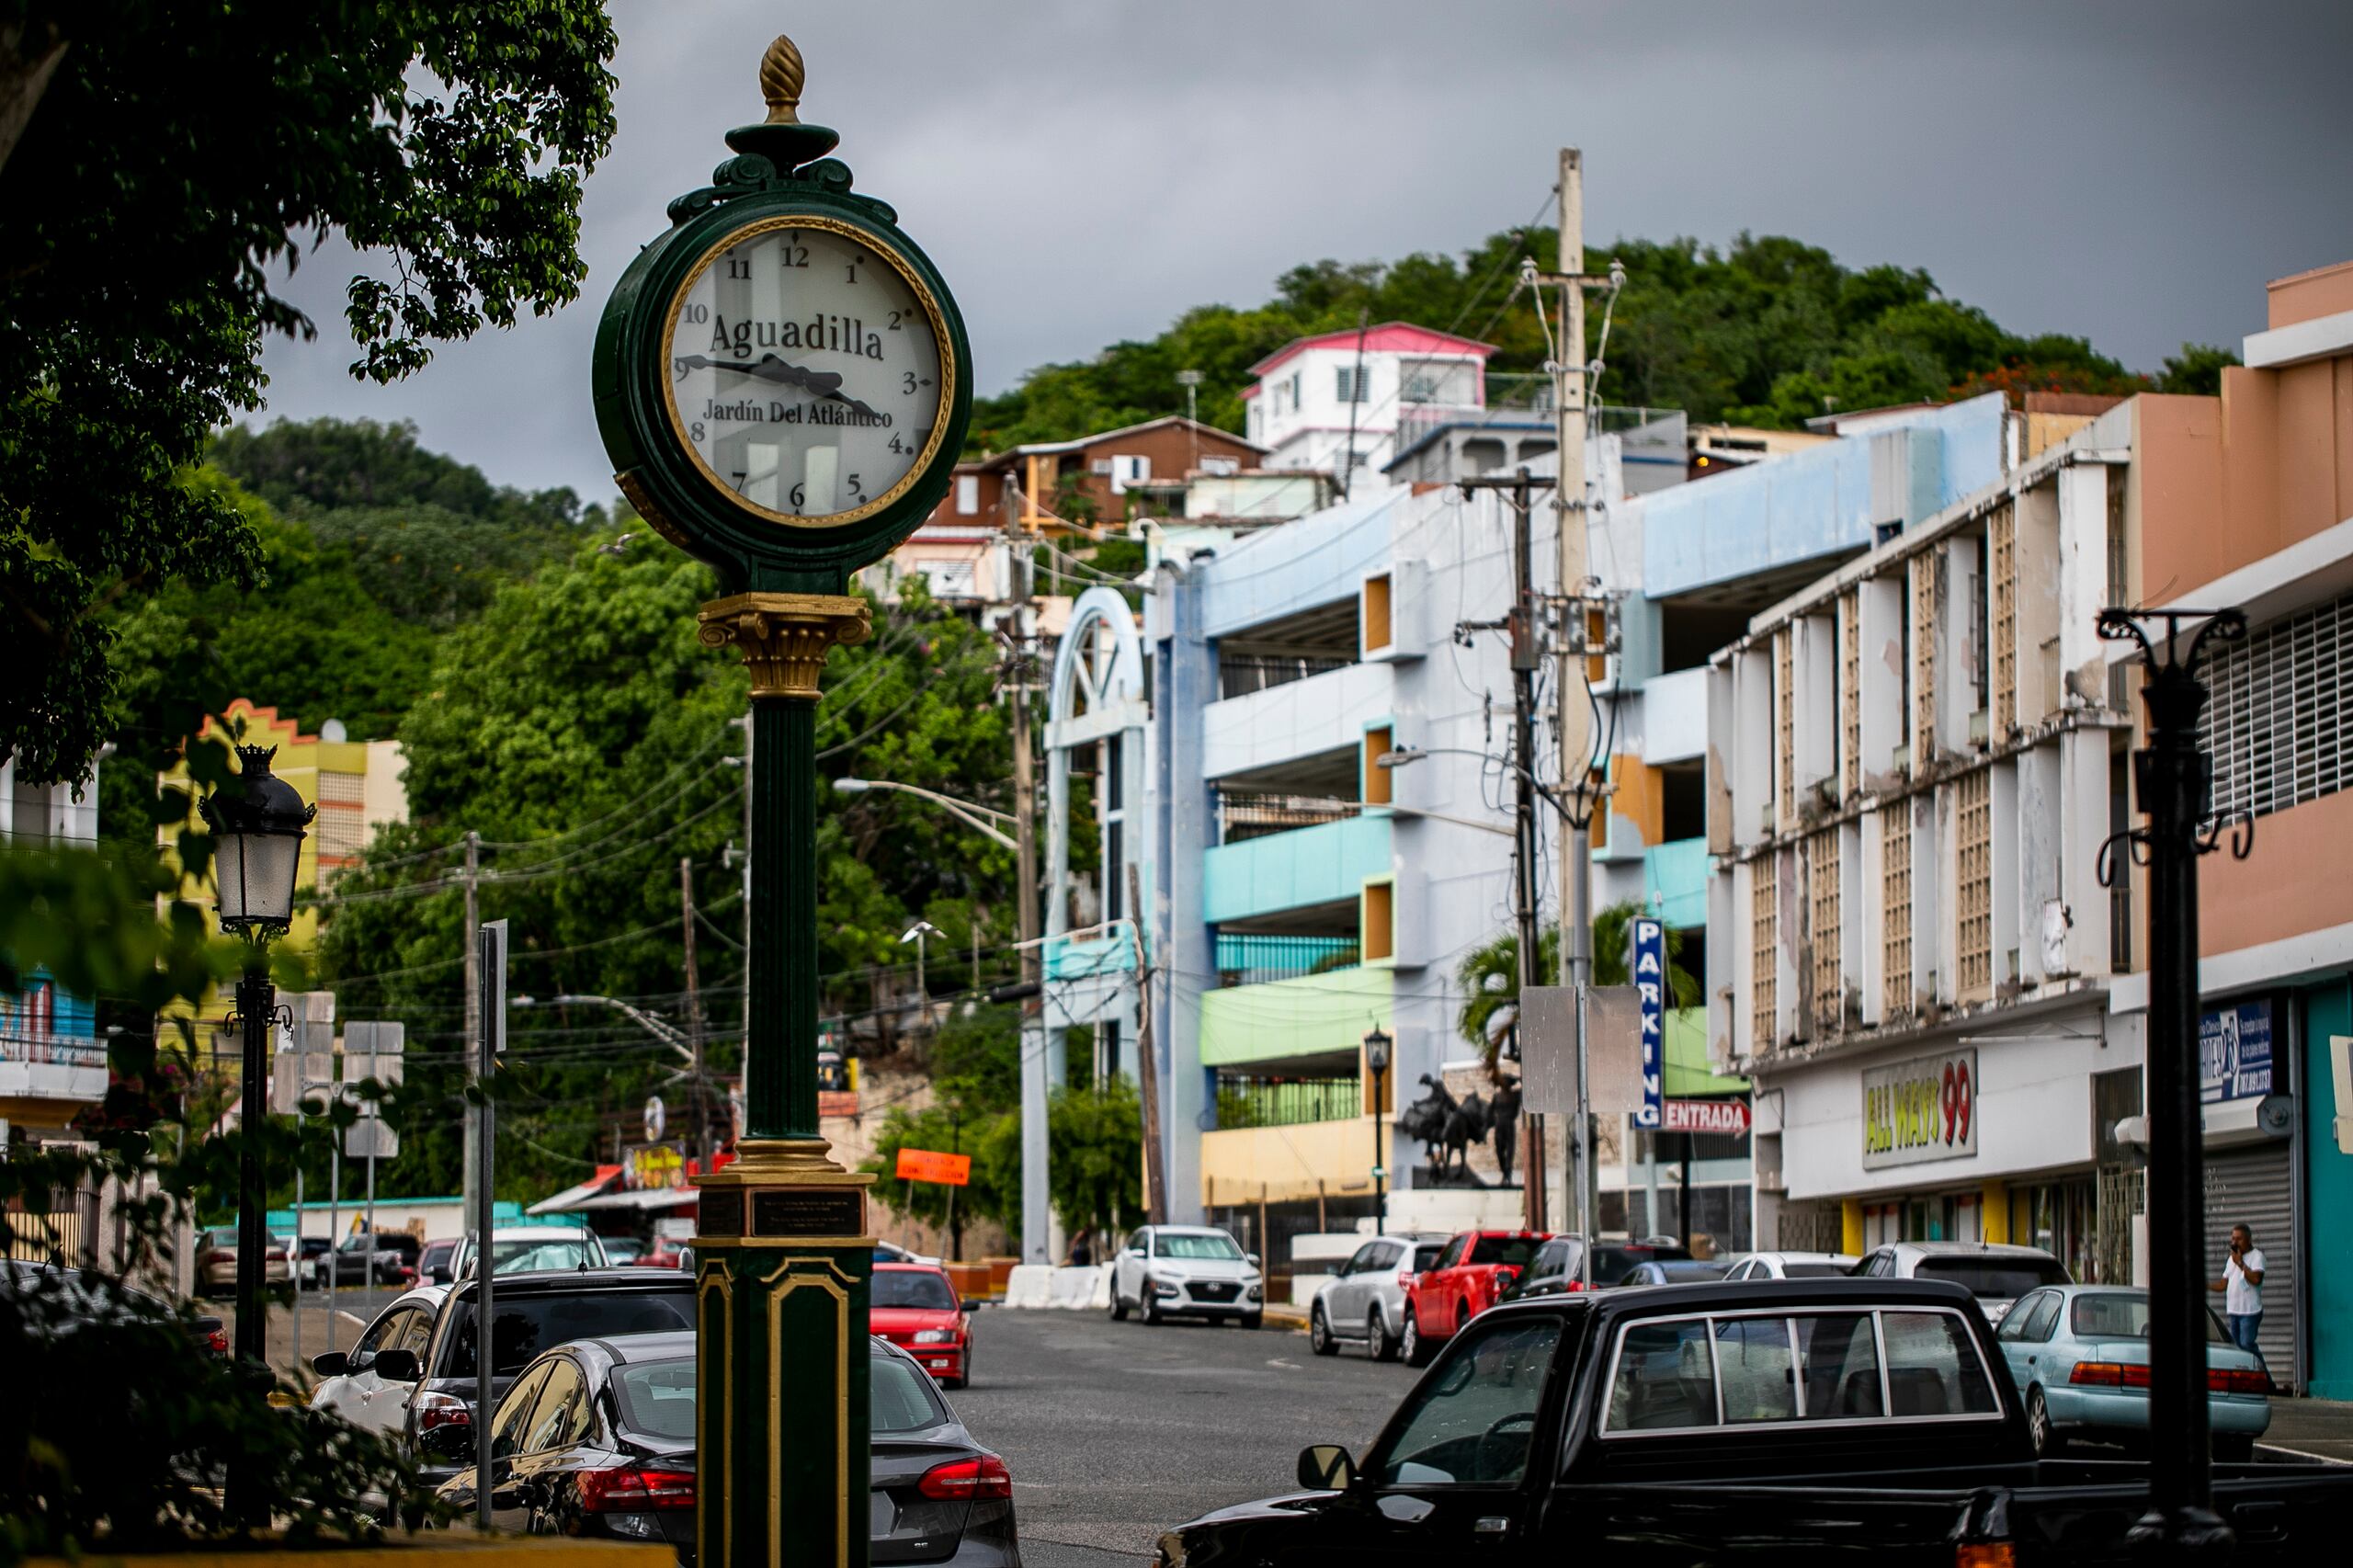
x=1294, y=1017
x=2329, y=1196
x=1688, y=1069
x=1291, y=870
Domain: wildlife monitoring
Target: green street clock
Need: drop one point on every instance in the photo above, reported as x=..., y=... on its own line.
x=782, y=379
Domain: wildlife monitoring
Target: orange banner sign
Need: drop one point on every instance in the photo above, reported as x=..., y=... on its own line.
x=926, y=1164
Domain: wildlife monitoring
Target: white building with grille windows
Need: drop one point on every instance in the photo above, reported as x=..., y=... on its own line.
x=1912, y=765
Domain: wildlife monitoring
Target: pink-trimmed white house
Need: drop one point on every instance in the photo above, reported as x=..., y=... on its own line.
x=1387, y=376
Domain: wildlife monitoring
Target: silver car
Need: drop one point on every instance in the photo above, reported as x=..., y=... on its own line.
x=1187, y=1271
x=353, y=1385
x=1996, y=1272
x=1365, y=1303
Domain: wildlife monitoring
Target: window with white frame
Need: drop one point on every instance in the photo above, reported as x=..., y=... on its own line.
x=968, y=494
x=1354, y=383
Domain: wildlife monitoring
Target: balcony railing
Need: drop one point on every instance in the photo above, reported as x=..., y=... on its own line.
x=1244, y=1100
x=1253, y=814
x=1239, y=674
x=70, y=1050
x=1256, y=957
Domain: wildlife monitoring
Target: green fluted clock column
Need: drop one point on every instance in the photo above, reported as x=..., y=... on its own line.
x=784, y=384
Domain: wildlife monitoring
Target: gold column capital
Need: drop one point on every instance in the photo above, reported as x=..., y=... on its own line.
x=784, y=637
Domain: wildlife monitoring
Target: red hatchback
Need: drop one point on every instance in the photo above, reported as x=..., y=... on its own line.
x=914, y=1306
x=1475, y=1267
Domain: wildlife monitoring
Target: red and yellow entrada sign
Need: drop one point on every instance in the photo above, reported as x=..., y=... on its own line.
x=928, y=1165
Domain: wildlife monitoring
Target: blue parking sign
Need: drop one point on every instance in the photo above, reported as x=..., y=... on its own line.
x=1650, y=987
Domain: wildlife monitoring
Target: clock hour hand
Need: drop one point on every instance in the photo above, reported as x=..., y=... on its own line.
x=769, y=367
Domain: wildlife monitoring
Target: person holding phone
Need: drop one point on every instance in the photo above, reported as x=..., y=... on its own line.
x=2242, y=1287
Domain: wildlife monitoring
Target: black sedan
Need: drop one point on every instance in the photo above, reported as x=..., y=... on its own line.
x=597, y=1437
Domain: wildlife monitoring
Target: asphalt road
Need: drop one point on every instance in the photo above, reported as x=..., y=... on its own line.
x=1115, y=1431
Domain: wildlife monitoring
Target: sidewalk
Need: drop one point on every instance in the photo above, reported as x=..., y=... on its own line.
x=2321, y=1428
x=321, y=1330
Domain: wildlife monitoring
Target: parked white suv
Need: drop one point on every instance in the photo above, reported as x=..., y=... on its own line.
x=1187, y=1271
x=1996, y=1274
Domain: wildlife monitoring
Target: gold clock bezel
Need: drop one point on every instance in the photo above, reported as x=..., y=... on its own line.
x=940, y=337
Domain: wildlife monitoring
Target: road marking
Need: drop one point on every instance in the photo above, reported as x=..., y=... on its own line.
x=1278, y=1361
x=2302, y=1453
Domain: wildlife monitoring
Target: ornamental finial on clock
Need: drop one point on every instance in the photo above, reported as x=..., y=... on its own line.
x=781, y=74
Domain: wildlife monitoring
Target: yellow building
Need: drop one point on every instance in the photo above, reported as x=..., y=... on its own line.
x=356, y=785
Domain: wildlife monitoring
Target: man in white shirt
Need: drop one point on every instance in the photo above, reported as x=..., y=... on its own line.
x=2242, y=1287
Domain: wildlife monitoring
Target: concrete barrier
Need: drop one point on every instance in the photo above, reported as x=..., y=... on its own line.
x=1072, y=1290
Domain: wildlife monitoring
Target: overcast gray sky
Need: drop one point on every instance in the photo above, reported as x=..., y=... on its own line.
x=1084, y=170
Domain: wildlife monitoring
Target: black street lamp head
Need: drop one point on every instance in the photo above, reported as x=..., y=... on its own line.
x=1376, y=1049
x=257, y=829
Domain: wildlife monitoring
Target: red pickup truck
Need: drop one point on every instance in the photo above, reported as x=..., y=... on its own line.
x=1475, y=1267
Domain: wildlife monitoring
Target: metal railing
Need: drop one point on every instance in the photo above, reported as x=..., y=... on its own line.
x=71, y=1051
x=1239, y=674
x=1244, y=1100
x=1256, y=958
x=1251, y=813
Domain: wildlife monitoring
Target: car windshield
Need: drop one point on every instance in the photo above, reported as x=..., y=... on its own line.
x=1426, y=1255
x=522, y=1326
x=1684, y=1271
x=540, y=1253
x=1813, y=1270
x=1611, y=1260
x=2122, y=1314
x=1213, y=1245
x=1992, y=1277
x=657, y=1398
x=909, y=1288
x=1513, y=1250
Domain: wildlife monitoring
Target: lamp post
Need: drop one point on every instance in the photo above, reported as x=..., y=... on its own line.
x=1376, y=1062
x=916, y=933
x=967, y=812
x=258, y=831
x=2173, y=785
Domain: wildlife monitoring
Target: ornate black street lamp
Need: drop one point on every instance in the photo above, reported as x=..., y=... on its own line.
x=2173, y=785
x=1376, y=1060
x=257, y=831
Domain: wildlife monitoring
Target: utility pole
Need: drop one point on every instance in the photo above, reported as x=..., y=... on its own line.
x=1524, y=627
x=473, y=1020
x=1156, y=1179
x=694, y=1016
x=1572, y=706
x=1037, y=1057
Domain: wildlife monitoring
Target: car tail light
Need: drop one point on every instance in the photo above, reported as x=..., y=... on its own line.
x=436, y=1411
x=216, y=1342
x=2237, y=1380
x=1985, y=1554
x=636, y=1490
x=972, y=1479
x=2110, y=1375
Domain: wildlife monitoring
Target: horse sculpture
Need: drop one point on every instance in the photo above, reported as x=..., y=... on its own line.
x=1446, y=1127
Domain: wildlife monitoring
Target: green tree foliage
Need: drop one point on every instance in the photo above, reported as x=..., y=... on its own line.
x=1096, y=1178
x=178, y=157
x=976, y=1089
x=2197, y=368
x=1767, y=331
x=1489, y=974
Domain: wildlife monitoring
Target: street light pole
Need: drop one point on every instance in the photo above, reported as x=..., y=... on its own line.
x=2173, y=785
x=1376, y=1060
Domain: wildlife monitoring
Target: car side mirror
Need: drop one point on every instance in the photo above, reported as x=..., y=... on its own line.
x=332, y=1364
x=397, y=1365
x=441, y=1274
x=1326, y=1467
x=1253, y=1257
x=970, y=1305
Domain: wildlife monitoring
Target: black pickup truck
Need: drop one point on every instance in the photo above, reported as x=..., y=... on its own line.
x=1782, y=1420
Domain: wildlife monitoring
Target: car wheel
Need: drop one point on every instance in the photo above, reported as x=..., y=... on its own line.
x=1319, y=1332
x=1152, y=1310
x=1376, y=1342
x=2233, y=1448
x=1118, y=1305
x=2046, y=1437
x=1411, y=1344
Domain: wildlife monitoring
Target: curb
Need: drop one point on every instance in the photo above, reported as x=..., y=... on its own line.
x=1291, y=1318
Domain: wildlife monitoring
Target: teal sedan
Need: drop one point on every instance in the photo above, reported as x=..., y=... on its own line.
x=2080, y=1357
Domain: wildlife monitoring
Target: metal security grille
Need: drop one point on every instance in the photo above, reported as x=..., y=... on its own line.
x=1765, y=942
x=2120, y=587
x=1824, y=937
x=2275, y=719
x=1895, y=907
x=2254, y=1186
x=1924, y=660
x=1850, y=694
x=1973, y=828
x=2124, y=1196
x=1785, y=720
x=2002, y=538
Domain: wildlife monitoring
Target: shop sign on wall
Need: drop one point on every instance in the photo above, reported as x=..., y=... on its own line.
x=2234, y=1053
x=654, y=1166
x=1922, y=1110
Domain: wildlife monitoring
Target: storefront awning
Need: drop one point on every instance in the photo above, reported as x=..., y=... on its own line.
x=572, y=1198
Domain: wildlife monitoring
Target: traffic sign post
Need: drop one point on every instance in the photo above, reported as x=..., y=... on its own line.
x=783, y=384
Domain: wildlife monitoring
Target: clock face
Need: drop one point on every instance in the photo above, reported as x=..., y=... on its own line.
x=804, y=370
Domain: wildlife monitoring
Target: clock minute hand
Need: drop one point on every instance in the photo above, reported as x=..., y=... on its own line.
x=769, y=367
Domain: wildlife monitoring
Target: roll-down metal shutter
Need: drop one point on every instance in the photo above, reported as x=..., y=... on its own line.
x=2251, y=1187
